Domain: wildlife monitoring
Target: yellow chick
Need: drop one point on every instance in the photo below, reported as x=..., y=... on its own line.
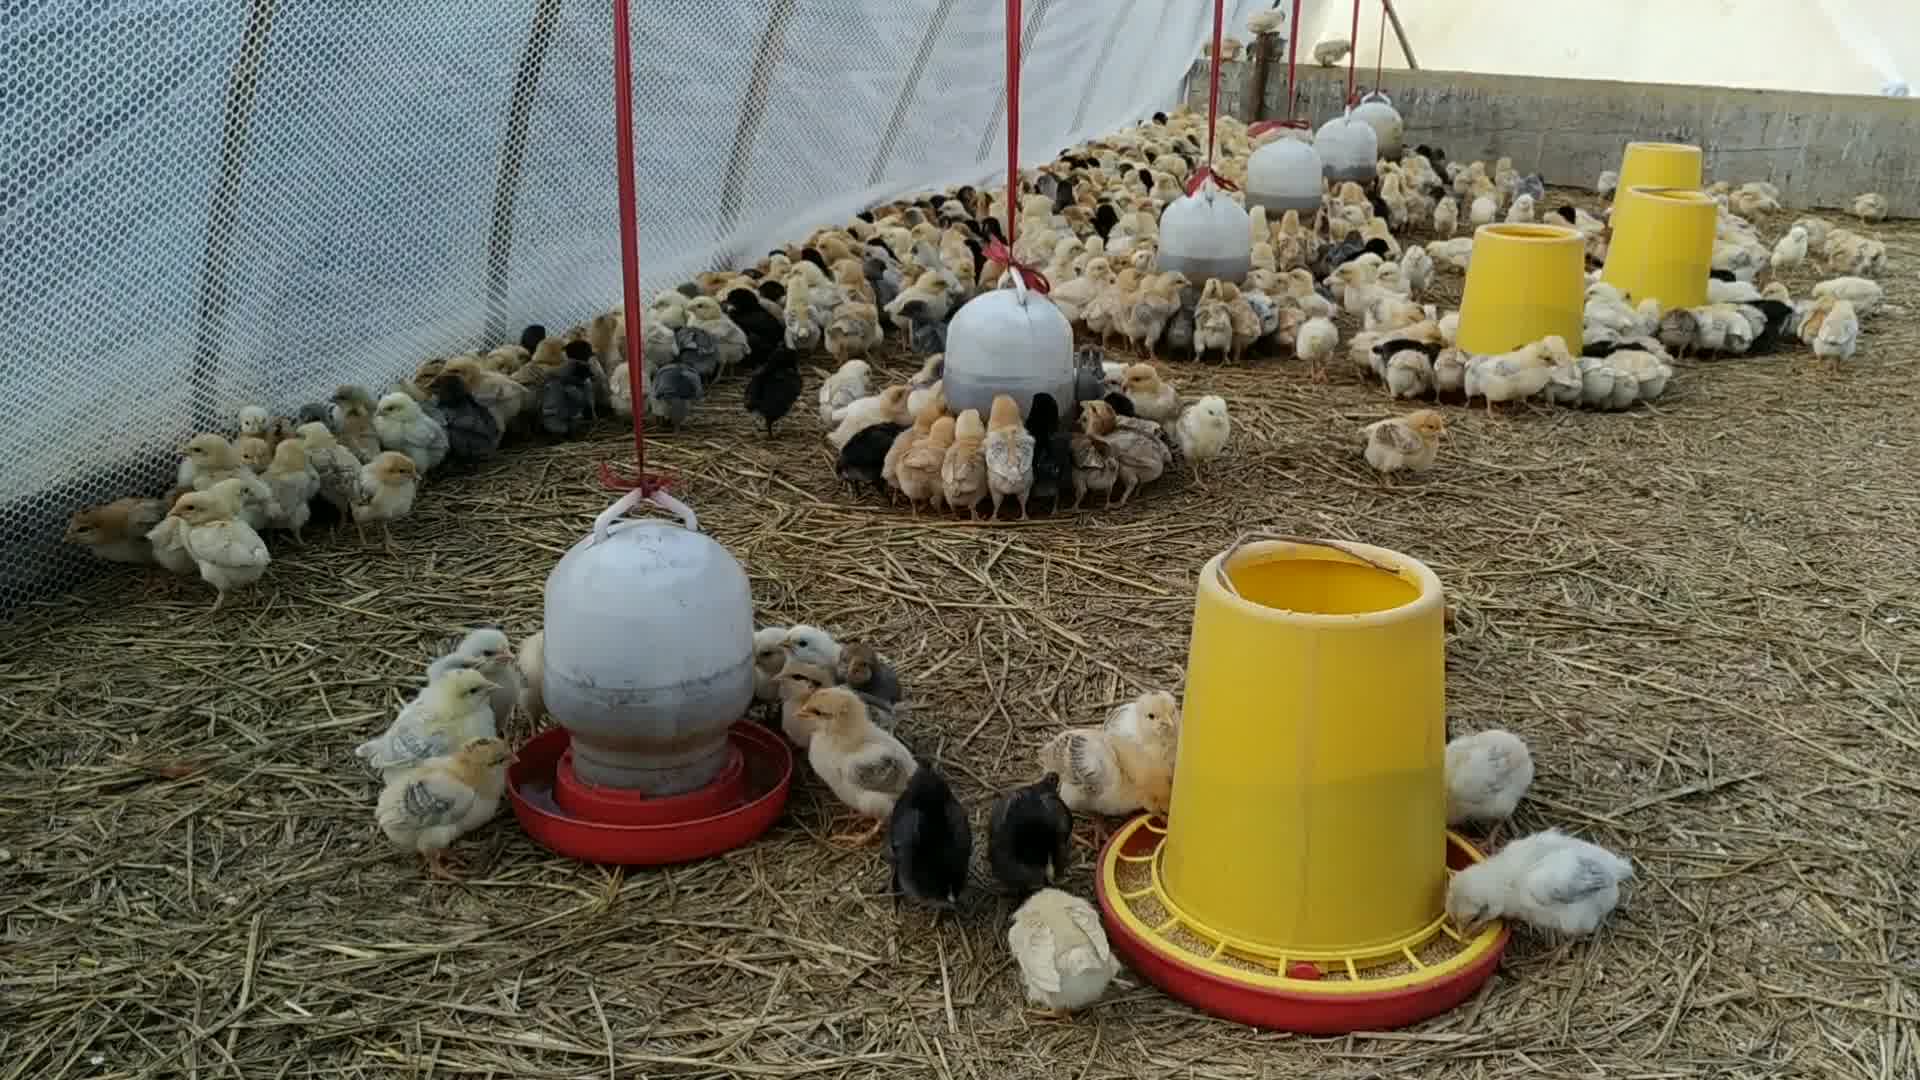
x=1408, y=442
x=863, y=765
x=229, y=553
x=963, y=472
x=919, y=469
x=426, y=808
x=1202, y=431
x=210, y=459
x=1153, y=397
x=889, y=406
x=1839, y=335
x=1008, y=449
x=386, y=488
x=795, y=686
x=928, y=414
x=531, y=659
x=1123, y=766
x=254, y=452
x=1870, y=207
x=452, y=711
x=402, y=425
x=1065, y=960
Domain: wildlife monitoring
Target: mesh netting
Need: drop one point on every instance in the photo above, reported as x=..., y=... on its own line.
x=210, y=206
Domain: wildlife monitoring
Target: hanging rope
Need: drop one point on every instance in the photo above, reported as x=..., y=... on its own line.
x=1205, y=172
x=629, y=254
x=997, y=251
x=1353, y=50
x=1380, y=50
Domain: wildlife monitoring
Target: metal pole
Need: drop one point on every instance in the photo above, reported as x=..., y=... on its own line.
x=1400, y=32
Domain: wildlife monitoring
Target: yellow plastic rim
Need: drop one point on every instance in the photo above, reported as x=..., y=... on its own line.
x=1341, y=973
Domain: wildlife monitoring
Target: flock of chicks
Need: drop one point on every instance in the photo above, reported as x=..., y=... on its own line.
x=442, y=765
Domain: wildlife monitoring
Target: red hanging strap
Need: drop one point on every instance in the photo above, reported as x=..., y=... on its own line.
x=1205, y=172
x=1353, y=50
x=629, y=253
x=997, y=251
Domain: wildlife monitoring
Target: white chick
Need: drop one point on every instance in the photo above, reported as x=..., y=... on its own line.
x=1839, y=335
x=1409, y=373
x=487, y=651
x=451, y=712
x=229, y=553
x=403, y=427
x=1202, y=431
x=842, y=388
x=254, y=422
x=1487, y=774
x=1484, y=210
x=1416, y=266
x=1605, y=186
x=168, y=541
x=1446, y=218
x=1065, y=961
x=812, y=645
x=1550, y=881
x=1521, y=212
x=1791, y=251
x=1864, y=294
x=426, y=808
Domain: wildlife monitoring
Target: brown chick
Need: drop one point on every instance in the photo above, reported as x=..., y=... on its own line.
x=963, y=473
x=923, y=423
x=117, y=531
x=1140, y=456
x=1144, y=321
x=353, y=409
x=385, y=491
x=918, y=472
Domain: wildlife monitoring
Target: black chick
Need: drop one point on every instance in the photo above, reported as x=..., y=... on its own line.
x=315, y=413
x=1105, y=217
x=1052, y=448
x=862, y=458
x=1121, y=404
x=1089, y=374
x=1720, y=275
x=672, y=392
x=764, y=332
x=472, y=432
x=688, y=289
x=1160, y=118
x=696, y=349
x=1030, y=836
x=930, y=841
x=775, y=387
x=1777, y=314
x=926, y=334
x=813, y=256
x=566, y=398
x=772, y=292
x=532, y=336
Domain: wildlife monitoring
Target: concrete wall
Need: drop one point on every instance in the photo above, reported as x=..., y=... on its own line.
x=1821, y=149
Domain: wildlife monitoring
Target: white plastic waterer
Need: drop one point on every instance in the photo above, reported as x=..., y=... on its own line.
x=1008, y=341
x=649, y=650
x=1205, y=235
x=1348, y=148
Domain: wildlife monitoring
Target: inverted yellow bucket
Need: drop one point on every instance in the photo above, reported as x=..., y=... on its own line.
x=1660, y=165
x=1662, y=246
x=1524, y=283
x=1309, y=799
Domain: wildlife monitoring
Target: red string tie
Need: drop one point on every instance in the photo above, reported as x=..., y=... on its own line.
x=1030, y=274
x=1205, y=173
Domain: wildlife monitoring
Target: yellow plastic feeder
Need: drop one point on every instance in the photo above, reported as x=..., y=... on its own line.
x=1300, y=882
x=1660, y=165
x=1662, y=245
x=1524, y=283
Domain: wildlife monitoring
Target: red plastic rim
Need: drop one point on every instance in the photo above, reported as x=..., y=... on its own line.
x=766, y=778
x=618, y=806
x=1306, y=1013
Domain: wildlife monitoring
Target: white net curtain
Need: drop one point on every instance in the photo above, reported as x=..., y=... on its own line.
x=252, y=202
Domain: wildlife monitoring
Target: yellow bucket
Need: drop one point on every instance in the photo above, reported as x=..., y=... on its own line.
x=1309, y=798
x=1662, y=245
x=1524, y=283
x=1659, y=165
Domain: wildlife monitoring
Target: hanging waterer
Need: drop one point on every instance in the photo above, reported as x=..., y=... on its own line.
x=1284, y=175
x=1009, y=341
x=1348, y=148
x=1377, y=112
x=1205, y=235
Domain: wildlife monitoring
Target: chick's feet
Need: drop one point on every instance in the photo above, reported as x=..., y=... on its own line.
x=857, y=839
x=438, y=865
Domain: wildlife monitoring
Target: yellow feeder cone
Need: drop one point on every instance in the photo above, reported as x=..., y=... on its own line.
x=1659, y=165
x=1524, y=283
x=1310, y=805
x=1662, y=246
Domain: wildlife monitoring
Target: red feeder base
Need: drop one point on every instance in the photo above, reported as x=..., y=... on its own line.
x=620, y=806
x=605, y=825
